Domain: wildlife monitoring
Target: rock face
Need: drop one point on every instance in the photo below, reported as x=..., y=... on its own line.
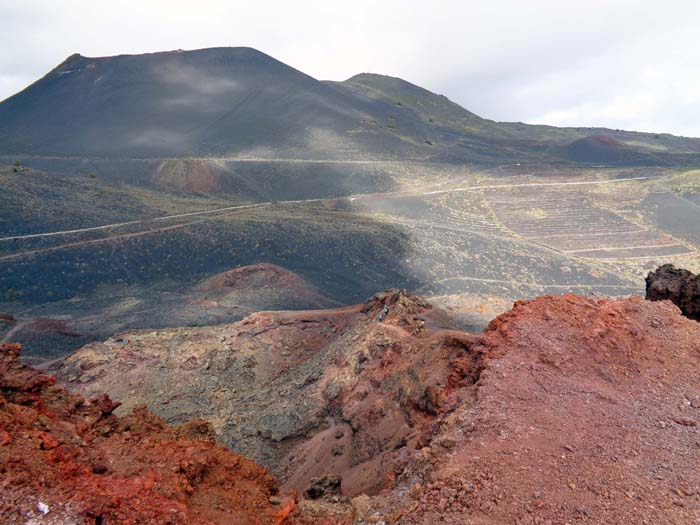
x=64, y=459
x=324, y=486
x=678, y=286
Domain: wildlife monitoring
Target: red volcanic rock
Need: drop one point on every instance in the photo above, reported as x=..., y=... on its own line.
x=566, y=409
x=584, y=412
x=679, y=286
x=348, y=391
x=64, y=459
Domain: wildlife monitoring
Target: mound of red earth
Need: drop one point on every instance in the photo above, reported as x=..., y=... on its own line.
x=584, y=412
x=678, y=286
x=64, y=459
x=264, y=286
x=566, y=410
x=599, y=149
x=188, y=176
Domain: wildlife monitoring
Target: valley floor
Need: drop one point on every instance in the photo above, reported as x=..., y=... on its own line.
x=471, y=239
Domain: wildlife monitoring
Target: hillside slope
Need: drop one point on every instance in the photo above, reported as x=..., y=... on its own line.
x=219, y=101
x=241, y=102
x=565, y=409
x=453, y=124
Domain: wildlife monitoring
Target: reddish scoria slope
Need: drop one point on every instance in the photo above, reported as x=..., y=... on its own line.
x=67, y=460
x=344, y=391
x=566, y=410
x=585, y=412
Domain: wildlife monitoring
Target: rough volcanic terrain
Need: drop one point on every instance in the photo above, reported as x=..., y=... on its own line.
x=585, y=412
x=223, y=298
x=566, y=410
x=304, y=393
x=64, y=459
x=679, y=286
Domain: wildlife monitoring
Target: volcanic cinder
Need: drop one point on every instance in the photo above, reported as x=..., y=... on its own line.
x=566, y=408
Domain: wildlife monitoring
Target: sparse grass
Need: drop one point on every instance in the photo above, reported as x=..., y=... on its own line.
x=684, y=183
x=645, y=145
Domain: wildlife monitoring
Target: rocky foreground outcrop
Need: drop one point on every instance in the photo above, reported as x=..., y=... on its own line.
x=64, y=459
x=585, y=412
x=303, y=393
x=678, y=286
x=566, y=410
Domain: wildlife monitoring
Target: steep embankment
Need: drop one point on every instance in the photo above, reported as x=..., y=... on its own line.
x=64, y=459
x=586, y=411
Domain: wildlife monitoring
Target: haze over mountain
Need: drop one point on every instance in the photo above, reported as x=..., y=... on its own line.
x=240, y=102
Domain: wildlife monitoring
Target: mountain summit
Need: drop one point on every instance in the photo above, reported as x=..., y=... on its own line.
x=219, y=101
x=243, y=103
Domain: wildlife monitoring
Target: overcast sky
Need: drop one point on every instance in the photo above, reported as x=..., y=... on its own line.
x=617, y=63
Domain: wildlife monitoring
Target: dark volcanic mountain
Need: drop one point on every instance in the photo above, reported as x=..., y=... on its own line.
x=241, y=102
x=213, y=101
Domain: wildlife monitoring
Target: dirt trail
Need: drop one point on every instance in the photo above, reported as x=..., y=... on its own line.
x=111, y=238
x=94, y=241
x=301, y=201
x=16, y=328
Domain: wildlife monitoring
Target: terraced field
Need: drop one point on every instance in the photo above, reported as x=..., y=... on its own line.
x=569, y=221
x=456, y=211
